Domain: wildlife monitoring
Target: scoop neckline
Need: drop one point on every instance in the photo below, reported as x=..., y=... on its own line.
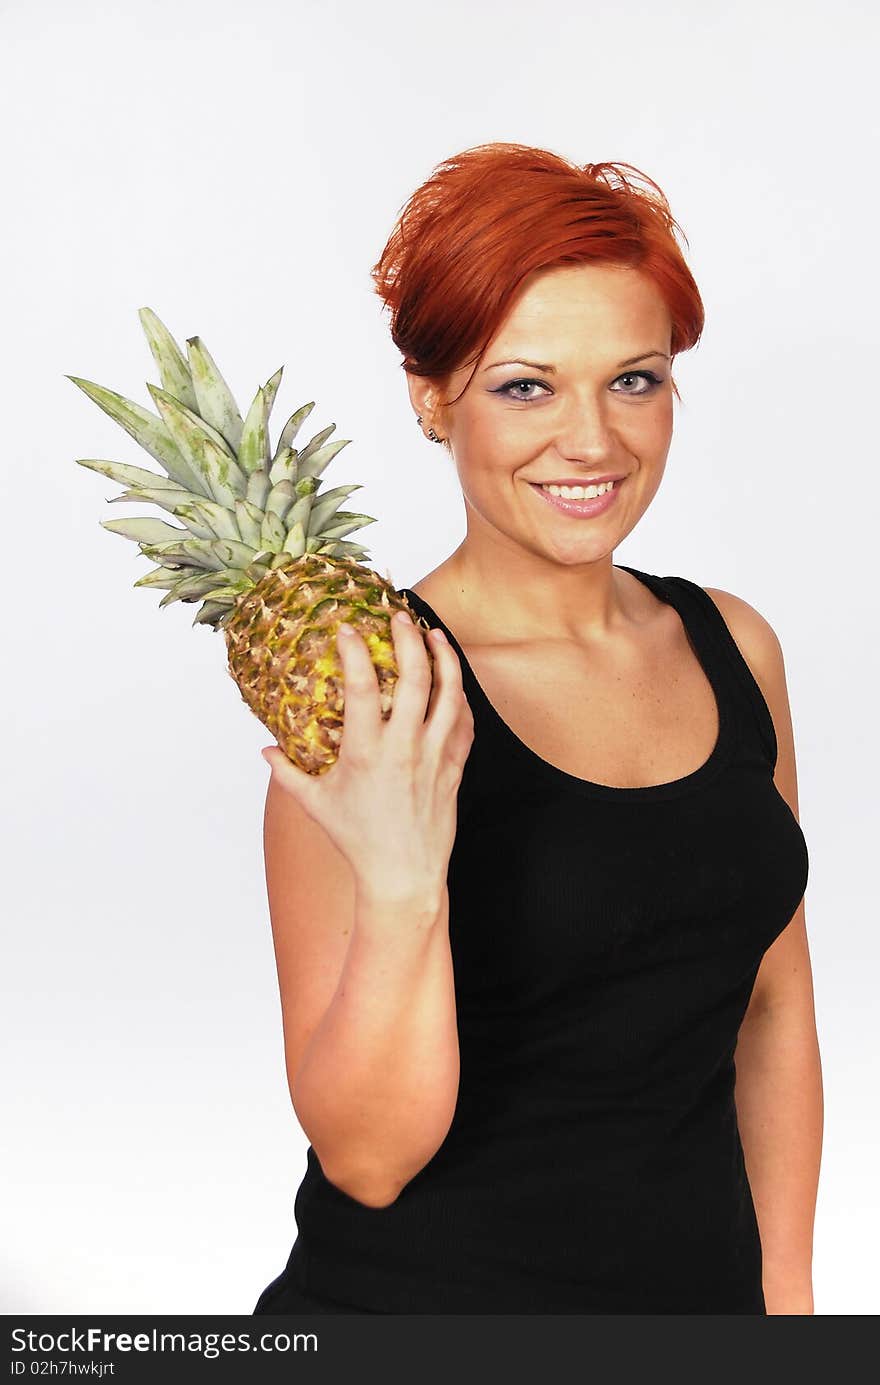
x=706, y=655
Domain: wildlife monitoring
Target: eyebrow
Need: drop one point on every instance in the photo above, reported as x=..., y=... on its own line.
x=551, y=369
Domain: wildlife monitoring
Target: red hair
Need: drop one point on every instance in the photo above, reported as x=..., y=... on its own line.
x=491, y=215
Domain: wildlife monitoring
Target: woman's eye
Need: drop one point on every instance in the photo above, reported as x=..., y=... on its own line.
x=513, y=389
x=651, y=380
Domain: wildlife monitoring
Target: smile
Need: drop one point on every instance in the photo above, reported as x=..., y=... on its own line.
x=589, y=503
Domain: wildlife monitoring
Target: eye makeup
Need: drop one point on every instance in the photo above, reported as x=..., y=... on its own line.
x=509, y=389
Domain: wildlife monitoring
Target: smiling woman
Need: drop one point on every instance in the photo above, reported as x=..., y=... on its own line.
x=586, y=420
x=515, y=1062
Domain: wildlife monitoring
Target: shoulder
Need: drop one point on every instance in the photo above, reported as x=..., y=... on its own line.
x=757, y=640
x=762, y=651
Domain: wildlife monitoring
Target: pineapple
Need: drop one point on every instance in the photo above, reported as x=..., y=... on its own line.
x=265, y=554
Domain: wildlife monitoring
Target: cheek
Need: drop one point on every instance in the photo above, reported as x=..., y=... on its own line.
x=651, y=428
x=488, y=451
x=664, y=421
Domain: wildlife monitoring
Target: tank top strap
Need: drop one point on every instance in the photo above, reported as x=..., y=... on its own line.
x=495, y=739
x=428, y=617
x=756, y=722
x=746, y=726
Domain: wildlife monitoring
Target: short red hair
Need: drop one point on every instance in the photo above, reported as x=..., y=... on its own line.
x=491, y=215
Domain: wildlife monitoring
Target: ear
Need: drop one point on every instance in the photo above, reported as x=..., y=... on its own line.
x=423, y=397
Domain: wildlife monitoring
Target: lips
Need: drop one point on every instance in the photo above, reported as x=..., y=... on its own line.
x=580, y=480
x=581, y=509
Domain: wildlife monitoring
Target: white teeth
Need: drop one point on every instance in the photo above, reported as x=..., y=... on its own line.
x=579, y=492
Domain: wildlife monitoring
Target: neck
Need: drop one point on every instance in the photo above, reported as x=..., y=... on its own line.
x=530, y=596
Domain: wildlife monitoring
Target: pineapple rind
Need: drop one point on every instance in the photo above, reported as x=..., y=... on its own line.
x=281, y=643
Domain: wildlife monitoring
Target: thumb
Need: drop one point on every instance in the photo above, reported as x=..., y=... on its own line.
x=289, y=775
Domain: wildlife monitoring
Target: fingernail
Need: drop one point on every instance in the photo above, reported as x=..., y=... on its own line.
x=439, y=636
x=345, y=629
x=402, y=617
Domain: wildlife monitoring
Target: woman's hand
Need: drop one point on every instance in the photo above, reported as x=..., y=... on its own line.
x=389, y=802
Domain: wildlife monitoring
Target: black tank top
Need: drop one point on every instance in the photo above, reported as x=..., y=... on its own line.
x=605, y=944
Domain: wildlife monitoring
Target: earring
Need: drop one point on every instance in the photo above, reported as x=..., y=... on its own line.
x=431, y=434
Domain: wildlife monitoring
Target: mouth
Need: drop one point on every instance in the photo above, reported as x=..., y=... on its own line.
x=574, y=498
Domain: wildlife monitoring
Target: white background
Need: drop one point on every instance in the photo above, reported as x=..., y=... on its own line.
x=238, y=169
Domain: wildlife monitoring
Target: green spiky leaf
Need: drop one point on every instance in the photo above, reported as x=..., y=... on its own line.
x=253, y=454
x=317, y=461
x=145, y=529
x=291, y=428
x=216, y=404
x=126, y=475
x=147, y=430
x=174, y=371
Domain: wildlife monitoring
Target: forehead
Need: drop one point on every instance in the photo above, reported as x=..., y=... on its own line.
x=606, y=307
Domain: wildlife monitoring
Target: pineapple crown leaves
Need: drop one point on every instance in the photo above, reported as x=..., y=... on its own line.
x=244, y=508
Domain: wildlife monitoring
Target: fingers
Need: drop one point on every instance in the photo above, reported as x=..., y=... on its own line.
x=413, y=687
x=422, y=705
x=362, y=718
x=449, y=710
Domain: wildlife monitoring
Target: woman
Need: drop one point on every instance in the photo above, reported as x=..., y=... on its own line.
x=541, y=947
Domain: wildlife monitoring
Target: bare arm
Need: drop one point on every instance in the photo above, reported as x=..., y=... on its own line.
x=378, y=1082
x=356, y=864
x=780, y=1111
x=779, y=1096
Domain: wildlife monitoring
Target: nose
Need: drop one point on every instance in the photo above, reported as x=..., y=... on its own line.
x=585, y=434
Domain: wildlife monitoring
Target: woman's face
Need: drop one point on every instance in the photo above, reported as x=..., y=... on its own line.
x=589, y=409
